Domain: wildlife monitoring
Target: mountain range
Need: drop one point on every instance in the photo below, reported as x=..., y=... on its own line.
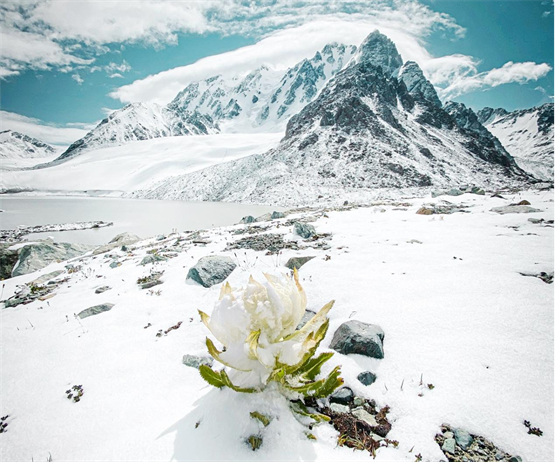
x=17, y=145
x=354, y=118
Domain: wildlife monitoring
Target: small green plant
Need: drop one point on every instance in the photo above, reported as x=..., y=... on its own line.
x=75, y=393
x=257, y=326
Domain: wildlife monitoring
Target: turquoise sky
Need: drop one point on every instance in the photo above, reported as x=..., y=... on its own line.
x=496, y=32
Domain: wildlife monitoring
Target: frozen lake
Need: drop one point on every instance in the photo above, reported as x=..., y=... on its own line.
x=145, y=218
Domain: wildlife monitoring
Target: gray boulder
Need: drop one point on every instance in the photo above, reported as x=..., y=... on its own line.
x=94, y=310
x=449, y=445
x=297, y=262
x=211, y=270
x=8, y=259
x=265, y=217
x=367, y=378
x=39, y=255
x=45, y=278
x=276, y=215
x=102, y=289
x=304, y=230
x=514, y=209
x=248, y=219
x=123, y=239
x=359, y=338
x=197, y=361
x=449, y=192
x=152, y=258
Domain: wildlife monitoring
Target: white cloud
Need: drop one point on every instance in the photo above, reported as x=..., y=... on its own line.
x=116, y=76
x=77, y=78
x=510, y=73
x=38, y=28
x=51, y=134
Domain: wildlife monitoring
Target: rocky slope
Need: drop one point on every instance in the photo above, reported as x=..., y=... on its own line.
x=527, y=134
x=366, y=129
x=140, y=121
x=17, y=145
x=264, y=99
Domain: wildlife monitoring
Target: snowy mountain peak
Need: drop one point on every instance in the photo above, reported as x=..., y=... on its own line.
x=489, y=114
x=16, y=145
x=379, y=50
x=417, y=85
x=527, y=134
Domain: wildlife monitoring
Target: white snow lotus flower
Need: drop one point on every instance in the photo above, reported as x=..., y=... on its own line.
x=257, y=327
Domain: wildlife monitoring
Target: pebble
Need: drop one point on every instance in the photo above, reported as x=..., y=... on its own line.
x=339, y=408
x=366, y=417
x=449, y=445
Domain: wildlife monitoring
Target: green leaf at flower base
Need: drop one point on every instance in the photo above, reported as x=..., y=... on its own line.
x=312, y=367
x=299, y=408
x=216, y=355
x=331, y=383
x=227, y=382
x=212, y=377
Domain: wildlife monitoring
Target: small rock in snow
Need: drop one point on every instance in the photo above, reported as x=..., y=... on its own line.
x=359, y=338
x=449, y=445
x=102, y=289
x=463, y=438
x=304, y=230
x=366, y=417
x=342, y=396
x=297, y=262
x=152, y=259
x=535, y=221
x=276, y=215
x=211, y=270
x=339, y=408
x=197, y=361
x=247, y=219
x=514, y=209
x=367, y=378
x=93, y=310
x=307, y=316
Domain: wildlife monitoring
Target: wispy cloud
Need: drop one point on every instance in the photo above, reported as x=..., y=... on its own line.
x=510, y=73
x=49, y=133
x=77, y=78
x=50, y=34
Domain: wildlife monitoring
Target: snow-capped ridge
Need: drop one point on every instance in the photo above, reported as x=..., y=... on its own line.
x=417, y=85
x=16, y=145
x=379, y=50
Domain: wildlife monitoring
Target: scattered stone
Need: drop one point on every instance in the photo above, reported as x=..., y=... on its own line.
x=297, y=262
x=449, y=445
x=304, y=230
x=94, y=310
x=514, y=209
x=153, y=279
x=450, y=192
x=425, y=211
x=342, y=396
x=545, y=277
x=367, y=378
x=414, y=241
x=102, y=289
x=123, y=239
x=365, y=417
x=271, y=243
x=448, y=435
x=359, y=338
x=150, y=284
x=445, y=208
x=197, y=361
x=339, y=408
x=247, y=219
x=115, y=264
x=307, y=316
x=211, y=270
x=160, y=237
x=45, y=278
x=535, y=221
x=152, y=258
x=477, y=190
x=276, y=215
x=498, y=196
x=265, y=217
x=8, y=259
x=463, y=438
x=522, y=202
x=358, y=401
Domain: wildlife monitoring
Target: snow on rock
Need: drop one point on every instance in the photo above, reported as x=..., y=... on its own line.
x=137, y=122
x=527, y=134
x=469, y=342
x=17, y=145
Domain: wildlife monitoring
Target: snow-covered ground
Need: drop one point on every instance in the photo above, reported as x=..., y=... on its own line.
x=138, y=164
x=446, y=289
